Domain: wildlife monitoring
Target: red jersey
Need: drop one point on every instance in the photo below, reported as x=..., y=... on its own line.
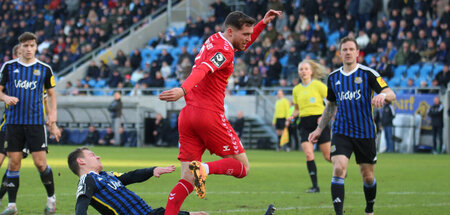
x=217, y=55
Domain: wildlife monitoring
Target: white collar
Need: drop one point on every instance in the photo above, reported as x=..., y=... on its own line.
x=351, y=72
x=27, y=65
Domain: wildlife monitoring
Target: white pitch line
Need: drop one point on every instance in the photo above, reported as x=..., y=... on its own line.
x=330, y=207
x=267, y=192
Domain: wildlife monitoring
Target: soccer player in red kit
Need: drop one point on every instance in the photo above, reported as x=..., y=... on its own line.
x=202, y=122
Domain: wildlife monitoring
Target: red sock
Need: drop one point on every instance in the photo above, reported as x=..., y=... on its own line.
x=227, y=166
x=177, y=196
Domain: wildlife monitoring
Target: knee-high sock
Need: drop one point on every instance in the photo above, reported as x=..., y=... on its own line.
x=47, y=181
x=312, y=170
x=338, y=194
x=177, y=197
x=12, y=186
x=370, y=192
x=227, y=166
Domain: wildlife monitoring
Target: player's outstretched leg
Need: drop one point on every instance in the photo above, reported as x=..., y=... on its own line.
x=200, y=175
x=270, y=210
x=181, y=190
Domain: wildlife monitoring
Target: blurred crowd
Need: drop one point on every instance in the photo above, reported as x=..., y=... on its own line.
x=407, y=33
x=68, y=29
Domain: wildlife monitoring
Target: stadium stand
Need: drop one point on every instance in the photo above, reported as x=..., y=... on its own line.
x=423, y=37
x=68, y=30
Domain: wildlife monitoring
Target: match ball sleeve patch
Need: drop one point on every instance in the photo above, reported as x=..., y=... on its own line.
x=381, y=82
x=218, y=59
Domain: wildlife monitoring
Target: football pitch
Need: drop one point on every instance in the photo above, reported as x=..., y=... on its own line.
x=407, y=183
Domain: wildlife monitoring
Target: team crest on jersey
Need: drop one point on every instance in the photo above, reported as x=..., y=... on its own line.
x=37, y=72
x=218, y=60
x=333, y=148
x=358, y=80
x=381, y=82
x=312, y=100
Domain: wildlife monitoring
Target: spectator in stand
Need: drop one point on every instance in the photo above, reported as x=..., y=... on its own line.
x=108, y=139
x=402, y=55
x=443, y=77
x=437, y=121
x=165, y=56
x=384, y=67
x=115, y=110
x=255, y=79
x=93, y=71
x=115, y=79
x=273, y=72
x=183, y=54
x=136, y=59
x=93, y=137
x=442, y=54
x=70, y=90
x=221, y=10
x=120, y=56
x=429, y=53
x=413, y=56
x=158, y=81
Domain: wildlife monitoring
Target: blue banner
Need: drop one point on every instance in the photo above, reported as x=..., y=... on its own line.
x=415, y=104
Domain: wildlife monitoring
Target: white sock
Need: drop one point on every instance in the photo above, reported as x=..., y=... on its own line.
x=206, y=168
x=12, y=205
x=51, y=198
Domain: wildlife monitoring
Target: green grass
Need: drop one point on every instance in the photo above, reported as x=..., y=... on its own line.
x=407, y=184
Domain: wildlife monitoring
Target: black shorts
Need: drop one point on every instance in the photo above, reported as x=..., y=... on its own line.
x=280, y=123
x=308, y=124
x=364, y=148
x=34, y=137
x=160, y=211
x=2, y=142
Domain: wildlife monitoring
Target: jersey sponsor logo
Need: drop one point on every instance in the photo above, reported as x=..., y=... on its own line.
x=338, y=82
x=52, y=81
x=349, y=95
x=381, y=82
x=218, y=59
x=358, y=80
x=25, y=84
x=114, y=184
x=37, y=72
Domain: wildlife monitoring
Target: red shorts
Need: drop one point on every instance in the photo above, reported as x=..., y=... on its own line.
x=202, y=129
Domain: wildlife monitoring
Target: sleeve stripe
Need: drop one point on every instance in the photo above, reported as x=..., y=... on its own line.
x=370, y=70
x=209, y=66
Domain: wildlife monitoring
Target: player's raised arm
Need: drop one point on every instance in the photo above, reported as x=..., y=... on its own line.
x=270, y=15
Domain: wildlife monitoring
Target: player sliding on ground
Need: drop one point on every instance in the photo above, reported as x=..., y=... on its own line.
x=202, y=123
x=107, y=191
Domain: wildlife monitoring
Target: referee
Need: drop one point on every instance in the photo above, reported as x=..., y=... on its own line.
x=24, y=80
x=309, y=98
x=350, y=97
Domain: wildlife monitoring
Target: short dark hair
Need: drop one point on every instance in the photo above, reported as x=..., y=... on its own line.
x=237, y=19
x=26, y=36
x=348, y=39
x=72, y=159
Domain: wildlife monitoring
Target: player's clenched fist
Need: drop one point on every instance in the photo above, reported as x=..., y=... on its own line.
x=172, y=94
